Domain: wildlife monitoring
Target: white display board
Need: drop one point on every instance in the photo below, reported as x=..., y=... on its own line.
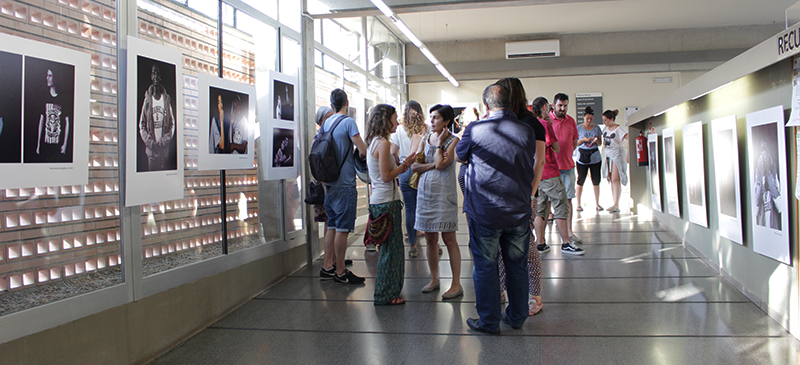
x=154, y=124
x=671, y=173
x=694, y=168
x=768, y=185
x=44, y=114
x=279, y=147
x=655, y=176
x=725, y=139
x=227, y=121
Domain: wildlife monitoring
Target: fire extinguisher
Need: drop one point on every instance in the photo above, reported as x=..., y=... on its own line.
x=641, y=149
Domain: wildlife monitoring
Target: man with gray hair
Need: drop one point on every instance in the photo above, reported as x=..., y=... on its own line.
x=499, y=152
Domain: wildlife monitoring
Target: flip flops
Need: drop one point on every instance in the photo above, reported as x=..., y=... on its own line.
x=393, y=301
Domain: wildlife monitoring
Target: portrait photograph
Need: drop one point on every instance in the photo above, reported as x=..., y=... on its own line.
x=49, y=127
x=283, y=100
x=670, y=173
x=655, y=178
x=725, y=140
x=225, y=137
x=157, y=144
x=282, y=147
x=768, y=191
x=11, y=108
x=694, y=171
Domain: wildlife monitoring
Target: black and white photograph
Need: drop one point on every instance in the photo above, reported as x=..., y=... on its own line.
x=282, y=147
x=49, y=111
x=44, y=114
x=155, y=144
x=670, y=173
x=655, y=178
x=768, y=192
x=283, y=100
x=694, y=172
x=726, y=170
x=226, y=138
x=11, y=108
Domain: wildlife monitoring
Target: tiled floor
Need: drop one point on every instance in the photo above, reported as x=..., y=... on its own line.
x=637, y=297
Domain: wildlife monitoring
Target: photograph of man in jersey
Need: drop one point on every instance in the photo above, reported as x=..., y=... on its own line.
x=49, y=108
x=11, y=108
x=724, y=147
x=283, y=100
x=282, y=147
x=228, y=129
x=156, y=148
x=764, y=166
x=694, y=168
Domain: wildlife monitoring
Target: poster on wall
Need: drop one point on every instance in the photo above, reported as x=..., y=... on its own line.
x=671, y=173
x=278, y=133
x=225, y=135
x=694, y=172
x=655, y=178
x=154, y=125
x=725, y=140
x=44, y=114
x=582, y=100
x=767, y=169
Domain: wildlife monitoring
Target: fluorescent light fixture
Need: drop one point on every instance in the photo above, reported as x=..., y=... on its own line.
x=386, y=10
x=710, y=91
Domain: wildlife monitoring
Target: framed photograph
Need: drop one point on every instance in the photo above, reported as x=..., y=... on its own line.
x=278, y=133
x=694, y=168
x=44, y=114
x=768, y=183
x=725, y=140
x=671, y=173
x=154, y=124
x=225, y=133
x=655, y=176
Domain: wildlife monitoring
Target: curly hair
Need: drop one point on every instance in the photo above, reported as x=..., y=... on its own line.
x=379, y=123
x=413, y=119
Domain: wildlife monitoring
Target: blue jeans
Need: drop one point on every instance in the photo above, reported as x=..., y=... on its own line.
x=410, y=200
x=484, y=242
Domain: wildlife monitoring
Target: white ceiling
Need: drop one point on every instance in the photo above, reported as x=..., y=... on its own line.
x=498, y=19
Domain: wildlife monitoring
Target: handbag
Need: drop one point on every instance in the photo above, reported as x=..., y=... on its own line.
x=413, y=181
x=379, y=228
x=585, y=157
x=315, y=193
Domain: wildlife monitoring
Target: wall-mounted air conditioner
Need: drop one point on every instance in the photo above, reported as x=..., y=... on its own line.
x=533, y=49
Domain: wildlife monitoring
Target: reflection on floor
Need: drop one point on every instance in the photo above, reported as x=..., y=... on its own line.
x=637, y=297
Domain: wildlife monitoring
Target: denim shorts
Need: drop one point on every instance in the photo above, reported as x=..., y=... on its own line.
x=568, y=178
x=340, y=206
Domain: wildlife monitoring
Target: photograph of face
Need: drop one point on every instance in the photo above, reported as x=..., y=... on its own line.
x=11, y=108
x=228, y=128
x=49, y=111
x=694, y=168
x=283, y=100
x=724, y=142
x=156, y=146
x=655, y=178
x=764, y=161
x=669, y=159
x=282, y=147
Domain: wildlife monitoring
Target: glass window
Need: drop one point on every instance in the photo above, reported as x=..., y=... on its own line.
x=289, y=12
x=209, y=8
x=343, y=36
x=384, y=53
x=268, y=7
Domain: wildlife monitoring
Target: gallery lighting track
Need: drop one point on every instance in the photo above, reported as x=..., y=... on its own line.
x=386, y=10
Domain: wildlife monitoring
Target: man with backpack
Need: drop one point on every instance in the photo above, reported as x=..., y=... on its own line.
x=341, y=196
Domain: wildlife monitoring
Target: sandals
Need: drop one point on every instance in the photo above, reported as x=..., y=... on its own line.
x=599, y=208
x=534, y=306
x=393, y=301
x=613, y=210
x=579, y=208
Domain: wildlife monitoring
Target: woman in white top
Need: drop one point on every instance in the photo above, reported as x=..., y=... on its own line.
x=407, y=139
x=615, y=157
x=385, y=198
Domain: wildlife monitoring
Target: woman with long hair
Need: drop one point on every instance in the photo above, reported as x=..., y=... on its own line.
x=437, y=202
x=589, y=138
x=408, y=138
x=385, y=198
x=519, y=105
x=615, y=157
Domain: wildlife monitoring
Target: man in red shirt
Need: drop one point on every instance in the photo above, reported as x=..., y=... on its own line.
x=567, y=133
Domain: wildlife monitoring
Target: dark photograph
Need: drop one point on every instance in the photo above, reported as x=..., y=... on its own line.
x=282, y=147
x=228, y=124
x=283, y=100
x=11, y=108
x=764, y=162
x=156, y=145
x=694, y=168
x=49, y=111
x=726, y=173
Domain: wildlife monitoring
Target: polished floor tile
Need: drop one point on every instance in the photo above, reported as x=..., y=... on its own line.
x=637, y=296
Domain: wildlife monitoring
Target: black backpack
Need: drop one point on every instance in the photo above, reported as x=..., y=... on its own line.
x=322, y=158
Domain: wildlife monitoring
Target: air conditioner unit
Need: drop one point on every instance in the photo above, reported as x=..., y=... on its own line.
x=533, y=49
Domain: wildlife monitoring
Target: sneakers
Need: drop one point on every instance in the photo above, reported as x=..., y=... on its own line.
x=348, y=278
x=413, y=252
x=543, y=248
x=327, y=274
x=569, y=248
x=575, y=239
x=371, y=247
